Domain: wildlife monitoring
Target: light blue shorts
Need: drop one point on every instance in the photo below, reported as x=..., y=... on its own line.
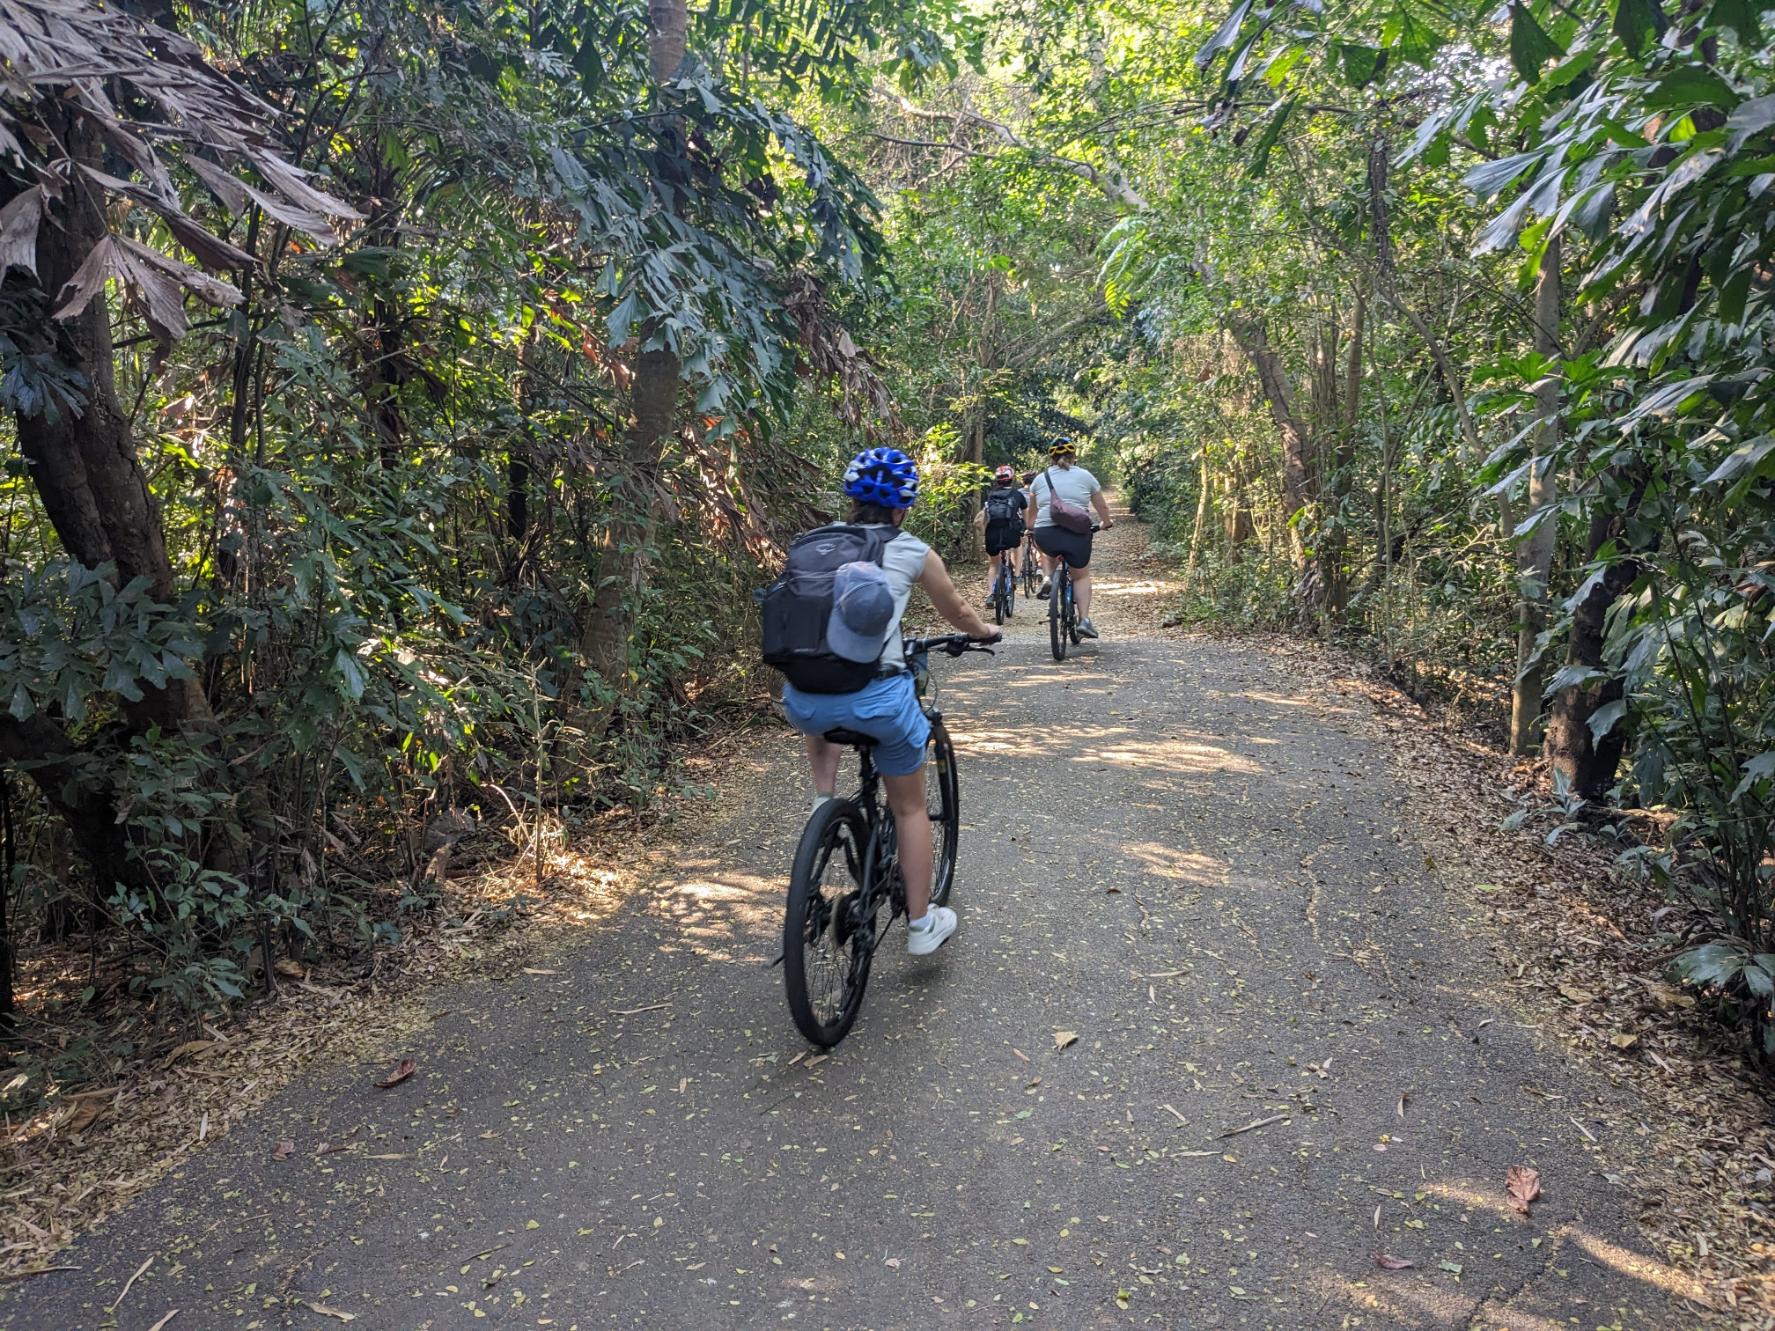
x=887, y=710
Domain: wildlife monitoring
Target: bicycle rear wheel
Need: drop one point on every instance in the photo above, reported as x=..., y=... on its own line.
x=1059, y=596
x=998, y=597
x=943, y=802
x=827, y=941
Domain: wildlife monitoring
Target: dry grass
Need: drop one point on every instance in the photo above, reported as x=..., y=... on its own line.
x=86, y=1150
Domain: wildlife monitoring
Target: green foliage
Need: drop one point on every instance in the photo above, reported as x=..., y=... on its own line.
x=394, y=483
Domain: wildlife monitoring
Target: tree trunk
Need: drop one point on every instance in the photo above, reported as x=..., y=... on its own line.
x=1586, y=764
x=653, y=403
x=84, y=466
x=1534, y=555
x=628, y=532
x=385, y=337
x=95, y=493
x=1254, y=341
x=1204, y=479
x=1343, y=462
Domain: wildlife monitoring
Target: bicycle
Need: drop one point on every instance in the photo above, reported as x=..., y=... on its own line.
x=1063, y=612
x=1004, y=589
x=1032, y=569
x=831, y=931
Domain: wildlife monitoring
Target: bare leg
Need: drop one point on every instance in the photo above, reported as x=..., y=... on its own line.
x=1081, y=591
x=906, y=796
x=823, y=758
x=991, y=575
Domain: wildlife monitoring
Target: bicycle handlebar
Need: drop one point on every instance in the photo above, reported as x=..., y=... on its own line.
x=951, y=644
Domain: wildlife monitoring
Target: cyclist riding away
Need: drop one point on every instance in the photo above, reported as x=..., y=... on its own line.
x=1002, y=517
x=1068, y=532
x=863, y=683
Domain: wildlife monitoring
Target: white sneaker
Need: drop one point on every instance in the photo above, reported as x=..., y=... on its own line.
x=939, y=924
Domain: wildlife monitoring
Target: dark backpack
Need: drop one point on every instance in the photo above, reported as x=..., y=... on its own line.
x=1002, y=509
x=796, y=607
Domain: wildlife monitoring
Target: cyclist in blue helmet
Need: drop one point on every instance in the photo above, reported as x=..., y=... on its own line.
x=882, y=483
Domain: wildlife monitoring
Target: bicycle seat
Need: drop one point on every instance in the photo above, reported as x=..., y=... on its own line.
x=850, y=738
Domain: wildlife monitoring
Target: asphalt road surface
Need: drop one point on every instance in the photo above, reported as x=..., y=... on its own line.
x=1283, y=1055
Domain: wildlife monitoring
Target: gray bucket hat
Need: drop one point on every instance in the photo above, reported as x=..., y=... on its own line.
x=862, y=609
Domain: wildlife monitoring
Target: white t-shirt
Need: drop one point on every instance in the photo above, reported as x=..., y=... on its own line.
x=1074, y=484
x=902, y=559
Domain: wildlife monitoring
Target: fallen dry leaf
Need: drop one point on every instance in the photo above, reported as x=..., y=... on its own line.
x=1387, y=1263
x=164, y=1320
x=1577, y=995
x=1669, y=995
x=1523, y=1185
x=404, y=1069
x=295, y=970
x=83, y=1117
x=285, y=1149
x=538, y=970
x=189, y=1047
x=1064, y=1038
x=326, y=1311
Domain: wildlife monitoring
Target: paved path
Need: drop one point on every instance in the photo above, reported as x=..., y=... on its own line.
x=1167, y=850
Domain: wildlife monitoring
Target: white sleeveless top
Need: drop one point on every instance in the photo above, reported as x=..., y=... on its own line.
x=902, y=559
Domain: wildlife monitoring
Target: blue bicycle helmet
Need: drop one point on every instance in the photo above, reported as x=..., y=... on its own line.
x=883, y=476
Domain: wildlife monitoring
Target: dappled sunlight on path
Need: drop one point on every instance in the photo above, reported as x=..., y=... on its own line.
x=1206, y=1047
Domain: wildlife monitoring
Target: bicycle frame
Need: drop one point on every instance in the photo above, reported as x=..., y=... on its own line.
x=881, y=845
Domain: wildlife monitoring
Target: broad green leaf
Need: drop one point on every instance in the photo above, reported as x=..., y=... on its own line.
x=1488, y=179
x=1362, y=64
x=1741, y=17
x=1743, y=458
x=1272, y=132
x=1754, y=116
x=1224, y=36
x=1530, y=46
x=622, y=316
x=1605, y=718
x=1637, y=23
x=1711, y=964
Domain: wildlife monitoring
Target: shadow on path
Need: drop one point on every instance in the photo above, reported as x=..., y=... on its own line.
x=1286, y=1061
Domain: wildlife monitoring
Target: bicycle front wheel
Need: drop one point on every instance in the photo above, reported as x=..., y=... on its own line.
x=828, y=942
x=942, y=793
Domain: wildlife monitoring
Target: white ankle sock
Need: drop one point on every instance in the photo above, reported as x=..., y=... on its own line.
x=923, y=922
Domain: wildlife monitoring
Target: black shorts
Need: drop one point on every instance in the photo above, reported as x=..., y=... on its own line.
x=1075, y=545
x=1002, y=537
